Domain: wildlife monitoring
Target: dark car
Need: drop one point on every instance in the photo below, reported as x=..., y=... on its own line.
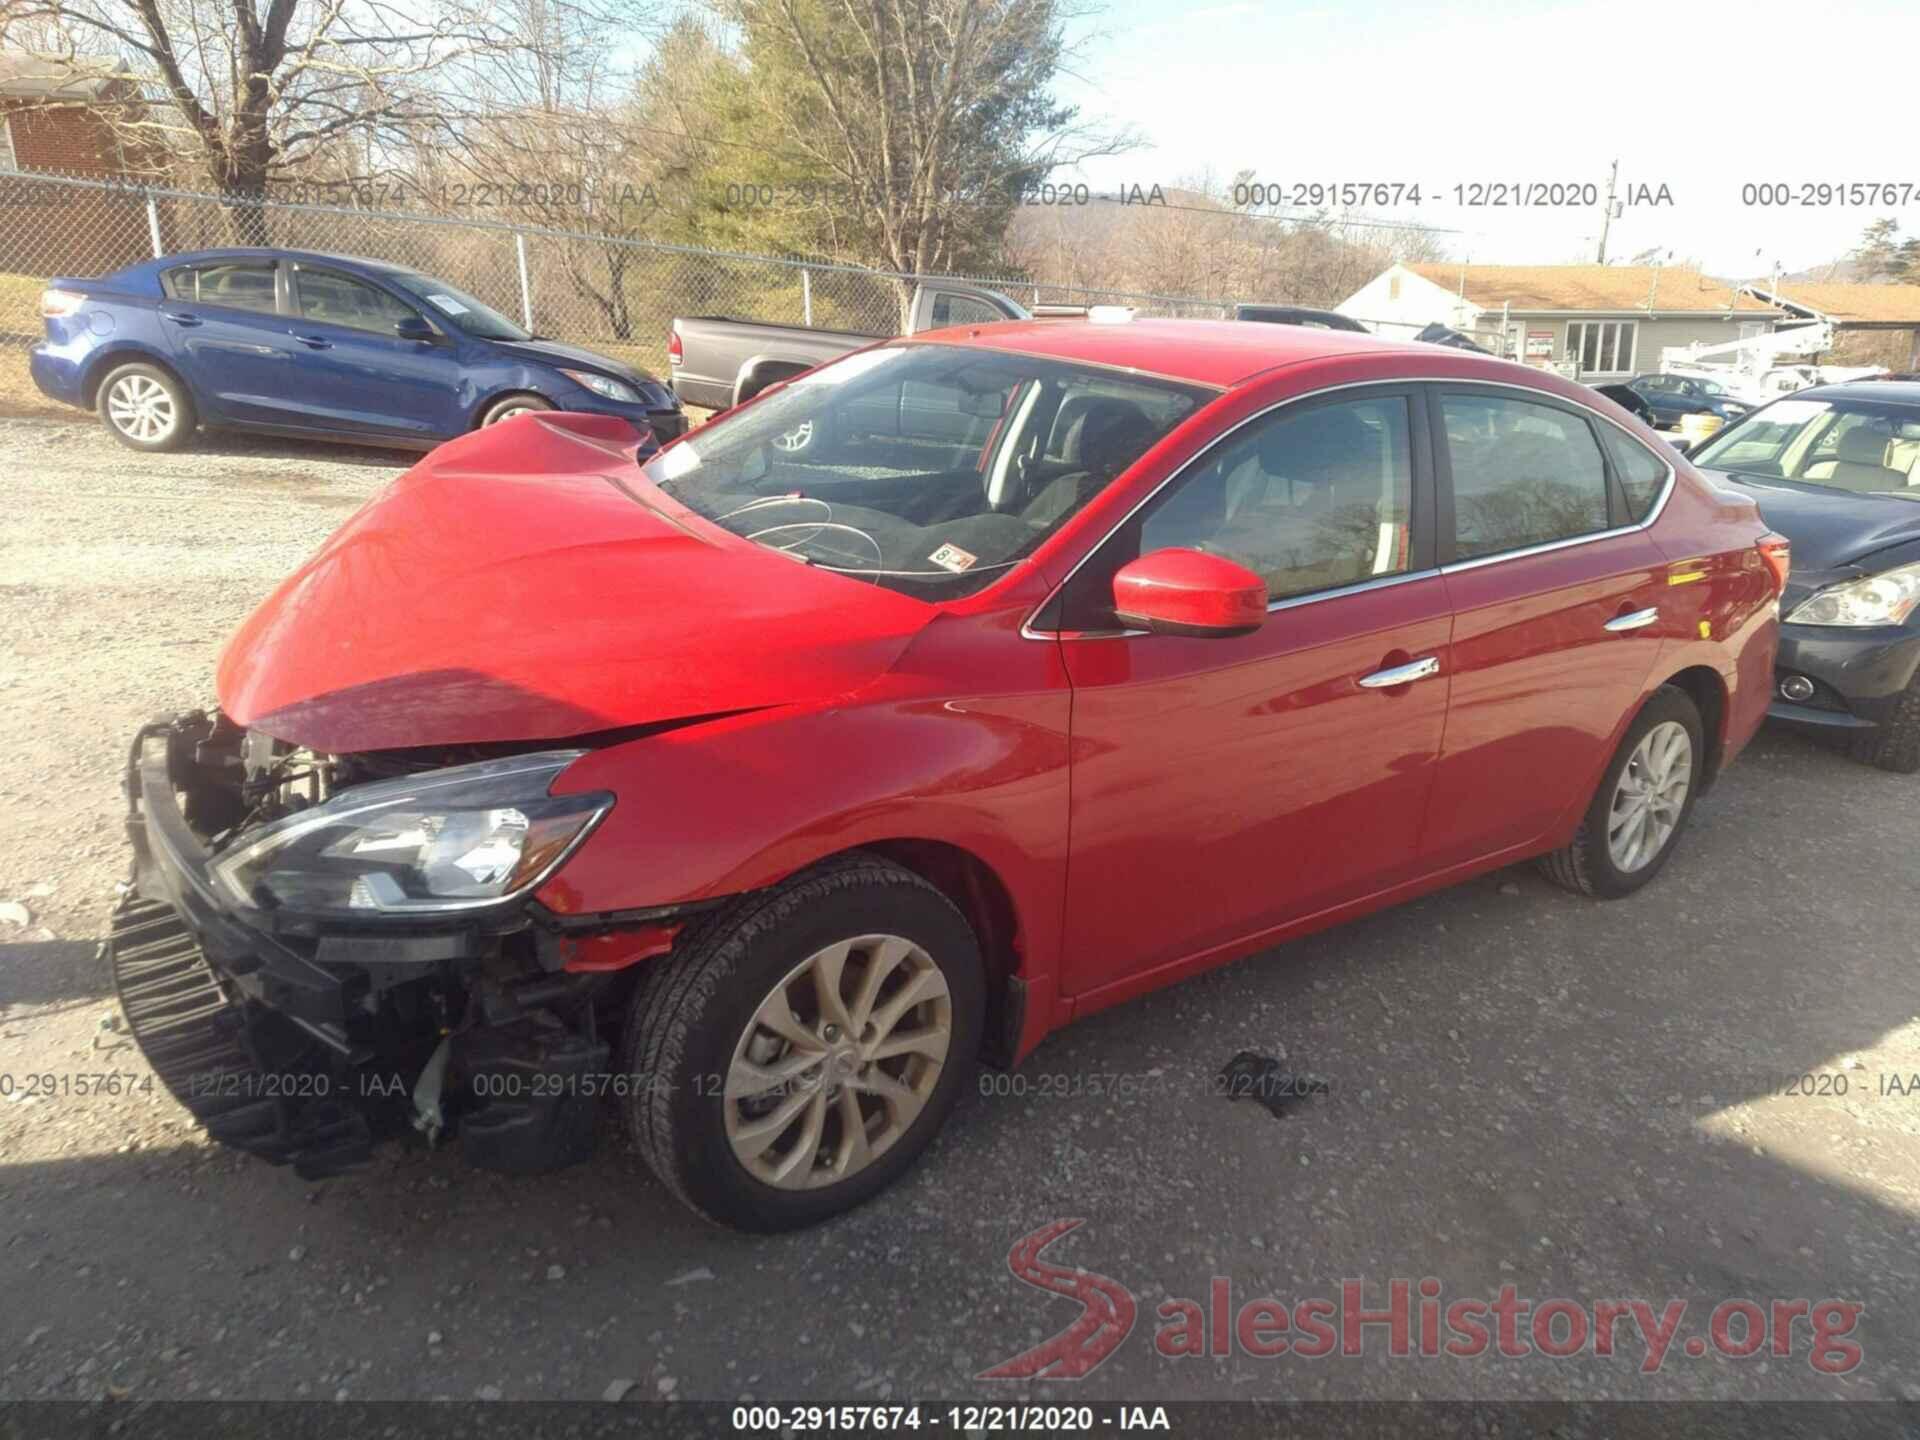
x=1837, y=471
x=1674, y=397
x=1300, y=315
x=318, y=346
x=1631, y=401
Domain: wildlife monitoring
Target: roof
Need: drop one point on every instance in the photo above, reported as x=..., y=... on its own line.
x=254, y=252
x=27, y=75
x=1900, y=392
x=1208, y=352
x=1861, y=304
x=1590, y=289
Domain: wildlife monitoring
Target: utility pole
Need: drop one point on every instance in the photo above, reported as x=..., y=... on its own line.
x=1606, y=216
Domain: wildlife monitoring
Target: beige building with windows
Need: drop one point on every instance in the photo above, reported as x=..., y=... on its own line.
x=1603, y=322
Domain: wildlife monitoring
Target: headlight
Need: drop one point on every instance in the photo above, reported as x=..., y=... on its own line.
x=603, y=385
x=1884, y=599
x=445, y=840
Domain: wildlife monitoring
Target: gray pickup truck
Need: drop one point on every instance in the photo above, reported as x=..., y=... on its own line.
x=719, y=363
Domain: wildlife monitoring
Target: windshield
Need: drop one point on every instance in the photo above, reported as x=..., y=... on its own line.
x=1855, y=445
x=931, y=469
x=461, y=310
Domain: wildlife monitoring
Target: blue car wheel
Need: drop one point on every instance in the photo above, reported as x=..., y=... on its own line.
x=145, y=408
x=509, y=406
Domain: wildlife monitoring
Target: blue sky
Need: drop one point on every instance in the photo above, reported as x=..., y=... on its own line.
x=1452, y=94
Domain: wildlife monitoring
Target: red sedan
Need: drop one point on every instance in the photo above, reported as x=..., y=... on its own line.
x=757, y=786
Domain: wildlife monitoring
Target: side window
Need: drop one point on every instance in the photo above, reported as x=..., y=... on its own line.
x=950, y=309
x=337, y=300
x=1641, y=472
x=1523, y=474
x=1308, y=499
x=238, y=287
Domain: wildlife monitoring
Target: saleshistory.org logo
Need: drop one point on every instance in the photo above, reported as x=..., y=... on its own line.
x=1413, y=1321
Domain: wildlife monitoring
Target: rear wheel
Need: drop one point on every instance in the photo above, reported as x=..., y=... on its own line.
x=1643, y=802
x=146, y=408
x=1894, y=744
x=512, y=405
x=810, y=1041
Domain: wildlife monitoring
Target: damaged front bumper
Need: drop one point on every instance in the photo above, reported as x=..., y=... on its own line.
x=307, y=1042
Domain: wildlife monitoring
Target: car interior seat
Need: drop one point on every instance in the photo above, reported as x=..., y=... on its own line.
x=1861, y=462
x=1106, y=437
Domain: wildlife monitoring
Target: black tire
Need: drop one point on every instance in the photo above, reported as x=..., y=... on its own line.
x=1586, y=865
x=123, y=398
x=691, y=1010
x=509, y=405
x=1894, y=744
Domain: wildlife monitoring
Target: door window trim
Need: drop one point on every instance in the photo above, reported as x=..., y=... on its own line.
x=193, y=267
x=1422, y=513
x=1619, y=512
x=1438, y=493
x=293, y=271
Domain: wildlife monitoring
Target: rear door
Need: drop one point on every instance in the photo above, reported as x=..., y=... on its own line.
x=1556, y=590
x=361, y=377
x=232, y=342
x=1225, y=787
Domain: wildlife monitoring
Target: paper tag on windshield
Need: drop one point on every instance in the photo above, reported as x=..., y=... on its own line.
x=952, y=557
x=448, y=304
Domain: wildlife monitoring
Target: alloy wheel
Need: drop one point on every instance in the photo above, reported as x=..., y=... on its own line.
x=507, y=412
x=141, y=408
x=837, y=1062
x=1650, y=796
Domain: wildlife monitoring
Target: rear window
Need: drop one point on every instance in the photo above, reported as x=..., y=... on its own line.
x=1523, y=474
x=1642, y=473
x=236, y=286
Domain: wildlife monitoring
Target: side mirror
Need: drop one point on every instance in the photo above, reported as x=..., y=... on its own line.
x=414, y=327
x=1187, y=592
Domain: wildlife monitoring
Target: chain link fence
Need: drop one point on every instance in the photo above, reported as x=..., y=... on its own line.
x=612, y=293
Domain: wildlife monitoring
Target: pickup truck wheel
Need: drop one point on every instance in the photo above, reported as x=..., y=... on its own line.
x=1642, y=804
x=512, y=405
x=145, y=408
x=800, y=1053
x=798, y=440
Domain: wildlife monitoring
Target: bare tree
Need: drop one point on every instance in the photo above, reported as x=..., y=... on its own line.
x=252, y=91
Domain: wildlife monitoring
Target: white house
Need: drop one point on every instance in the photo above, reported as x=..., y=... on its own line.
x=1607, y=322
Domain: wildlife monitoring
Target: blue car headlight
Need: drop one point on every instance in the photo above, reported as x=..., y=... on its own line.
x=457, y=839
x=604, y=385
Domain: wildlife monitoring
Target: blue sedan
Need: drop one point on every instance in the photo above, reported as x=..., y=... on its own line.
x=314, y=346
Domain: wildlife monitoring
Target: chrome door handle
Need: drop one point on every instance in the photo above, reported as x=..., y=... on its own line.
x=1401, y=674
x=1638, y=620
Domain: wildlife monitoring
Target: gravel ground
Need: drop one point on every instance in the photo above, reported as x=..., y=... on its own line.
x=1575, y=1099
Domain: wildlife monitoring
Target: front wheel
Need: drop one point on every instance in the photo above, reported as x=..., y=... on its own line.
x=801, y=1053
x=1643, y=802
x=514, y=405
x=1894, y=744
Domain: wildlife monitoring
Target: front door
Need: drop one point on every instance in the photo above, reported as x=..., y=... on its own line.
x=1556, y=596
x=361, y=375
x=1223, y=787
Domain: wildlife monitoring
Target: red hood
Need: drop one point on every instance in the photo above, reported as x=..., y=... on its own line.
x=520, y=584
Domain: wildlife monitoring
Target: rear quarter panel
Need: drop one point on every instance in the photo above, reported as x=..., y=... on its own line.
x=119, y=322
x=1720, y=596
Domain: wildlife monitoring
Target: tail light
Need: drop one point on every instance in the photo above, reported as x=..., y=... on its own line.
x=56, y=303
x=674, y=351
x=1776, y=552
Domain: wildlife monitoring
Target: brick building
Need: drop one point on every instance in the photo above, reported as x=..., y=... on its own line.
x=56, y=118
